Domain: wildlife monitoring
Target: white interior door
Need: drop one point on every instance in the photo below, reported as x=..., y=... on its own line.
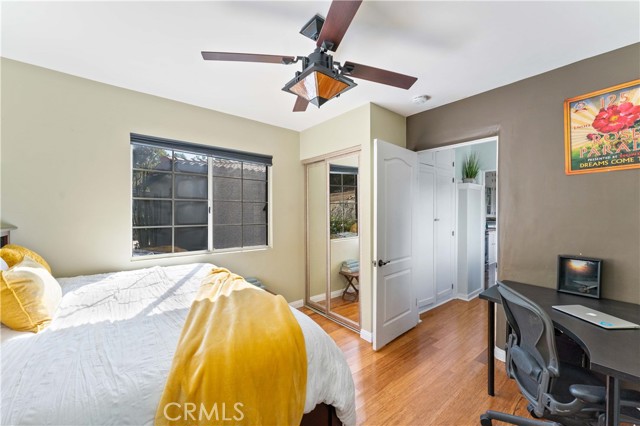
x=444, y=227
x=395, y=194
x=424, y=266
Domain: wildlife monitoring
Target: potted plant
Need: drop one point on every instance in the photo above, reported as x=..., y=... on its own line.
x=470, y=168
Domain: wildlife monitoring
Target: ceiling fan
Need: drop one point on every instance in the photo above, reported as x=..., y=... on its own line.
x=321, y=78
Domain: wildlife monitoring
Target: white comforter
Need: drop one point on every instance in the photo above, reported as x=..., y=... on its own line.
x=105, y=357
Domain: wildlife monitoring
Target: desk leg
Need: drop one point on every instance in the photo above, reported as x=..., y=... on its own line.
x=613, y=401
x=491, y=333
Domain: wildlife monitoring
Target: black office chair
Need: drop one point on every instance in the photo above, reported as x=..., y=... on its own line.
x=563, y=393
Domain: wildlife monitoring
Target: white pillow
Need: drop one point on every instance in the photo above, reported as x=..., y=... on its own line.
x=3, y=265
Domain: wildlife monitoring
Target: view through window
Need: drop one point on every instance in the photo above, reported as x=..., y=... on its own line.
x=193, y=201
x=343, y=201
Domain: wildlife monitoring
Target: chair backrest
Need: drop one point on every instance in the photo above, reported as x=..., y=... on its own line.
x=532, y=359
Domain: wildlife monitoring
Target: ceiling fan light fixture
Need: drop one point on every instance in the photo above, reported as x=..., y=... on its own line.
x=318, y=84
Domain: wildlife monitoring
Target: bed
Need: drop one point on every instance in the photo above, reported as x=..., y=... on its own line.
x=105, y=356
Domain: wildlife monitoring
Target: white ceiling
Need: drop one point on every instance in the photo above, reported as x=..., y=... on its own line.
x=456, y=49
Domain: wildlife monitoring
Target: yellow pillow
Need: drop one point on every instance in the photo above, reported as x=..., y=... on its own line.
x=29, y=296
x=13, y=254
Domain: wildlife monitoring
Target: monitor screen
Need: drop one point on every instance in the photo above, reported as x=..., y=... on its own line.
x=579, y=275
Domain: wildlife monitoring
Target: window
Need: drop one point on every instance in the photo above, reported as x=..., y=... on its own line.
x=188, y=197
x=343, y=201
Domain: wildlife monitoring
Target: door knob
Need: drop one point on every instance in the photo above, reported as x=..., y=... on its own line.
x=381, y=263
x=436, y=220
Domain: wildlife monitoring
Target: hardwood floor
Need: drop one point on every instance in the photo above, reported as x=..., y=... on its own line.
x=435, y=374
x=349, y=307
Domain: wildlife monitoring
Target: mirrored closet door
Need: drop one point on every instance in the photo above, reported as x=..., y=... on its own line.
x=333, y=240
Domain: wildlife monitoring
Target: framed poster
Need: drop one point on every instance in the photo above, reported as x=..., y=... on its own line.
x=602, y=130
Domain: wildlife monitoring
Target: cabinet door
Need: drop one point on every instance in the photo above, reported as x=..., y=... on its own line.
x=427, y=157
x=444, y=226
x=445, y=159
x=424, y=267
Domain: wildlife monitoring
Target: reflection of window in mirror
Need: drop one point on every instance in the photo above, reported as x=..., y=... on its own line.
x=343, y=201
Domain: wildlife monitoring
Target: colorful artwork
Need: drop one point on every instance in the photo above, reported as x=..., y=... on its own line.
x=602, y=130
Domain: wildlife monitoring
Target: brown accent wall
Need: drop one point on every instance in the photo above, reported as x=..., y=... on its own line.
x=543, y=212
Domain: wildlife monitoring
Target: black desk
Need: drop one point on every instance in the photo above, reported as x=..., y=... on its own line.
x=615, y=353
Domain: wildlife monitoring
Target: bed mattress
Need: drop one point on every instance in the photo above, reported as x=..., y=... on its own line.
x=106, y=355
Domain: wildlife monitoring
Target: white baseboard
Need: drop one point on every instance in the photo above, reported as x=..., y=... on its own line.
x=366, y=335
x=320, y=297
x=470, y=296
x=297, y=304
x=499, y=354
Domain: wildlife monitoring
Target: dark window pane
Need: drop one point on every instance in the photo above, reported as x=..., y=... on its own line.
x=254, y=191
x=227, y=213
x=254, y=235
x=188, y=186
x=151, y=241
x=335, y=179
x=150, y=158
x=349, y=179
x=191, y=212
x=151, y=184
x=227, y=168
x=254, y=171
x=190, y=163
x=227, y=236
x=253, y=213
x=151, y=213
x=191, y=239
x=227, y=189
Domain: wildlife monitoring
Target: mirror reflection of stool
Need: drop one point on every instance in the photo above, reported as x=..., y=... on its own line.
x=350, y=276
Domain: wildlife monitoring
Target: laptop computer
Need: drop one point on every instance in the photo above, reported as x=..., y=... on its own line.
x=596, y=317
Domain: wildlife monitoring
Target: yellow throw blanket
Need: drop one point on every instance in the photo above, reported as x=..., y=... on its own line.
x=241, y=360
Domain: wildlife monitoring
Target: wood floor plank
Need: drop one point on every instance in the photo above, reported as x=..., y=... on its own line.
x=435, y=374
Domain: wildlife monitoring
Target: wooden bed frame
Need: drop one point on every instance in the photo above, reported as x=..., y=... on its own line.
x=322, y=415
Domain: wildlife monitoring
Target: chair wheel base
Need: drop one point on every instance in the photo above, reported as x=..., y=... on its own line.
x=485, y=420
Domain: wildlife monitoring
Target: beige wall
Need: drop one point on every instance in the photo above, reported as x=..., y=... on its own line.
x=358, y=128
x=542, y=211
x=66, y=173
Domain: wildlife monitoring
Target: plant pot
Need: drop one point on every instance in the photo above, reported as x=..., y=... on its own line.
x=468, y=180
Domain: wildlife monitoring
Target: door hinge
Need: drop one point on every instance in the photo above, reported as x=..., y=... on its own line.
x=453, y=164
x=453, y=180
x=416, y=301
x=451, y=286
x=453, y=233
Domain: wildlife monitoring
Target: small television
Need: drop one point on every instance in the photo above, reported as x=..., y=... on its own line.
x=579, y=275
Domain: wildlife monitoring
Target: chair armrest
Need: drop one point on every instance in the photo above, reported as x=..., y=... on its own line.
x=590, y=394
x=598, y=395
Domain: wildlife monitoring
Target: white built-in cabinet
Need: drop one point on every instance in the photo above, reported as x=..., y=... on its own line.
x=435, y=228
x=471, y=236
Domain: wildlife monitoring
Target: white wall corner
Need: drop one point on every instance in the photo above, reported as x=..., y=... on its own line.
x=297, y=304
x=366, y=335
x=499, y=354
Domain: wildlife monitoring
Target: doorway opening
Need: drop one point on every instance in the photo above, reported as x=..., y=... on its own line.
x=458, y=222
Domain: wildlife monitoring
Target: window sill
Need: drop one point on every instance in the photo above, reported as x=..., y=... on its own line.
x=199, y=253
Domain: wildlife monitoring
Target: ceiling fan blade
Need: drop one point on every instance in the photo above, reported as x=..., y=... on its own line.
x=378, y=75
x=247, y=57
x=300, y=105
x=336, y=24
